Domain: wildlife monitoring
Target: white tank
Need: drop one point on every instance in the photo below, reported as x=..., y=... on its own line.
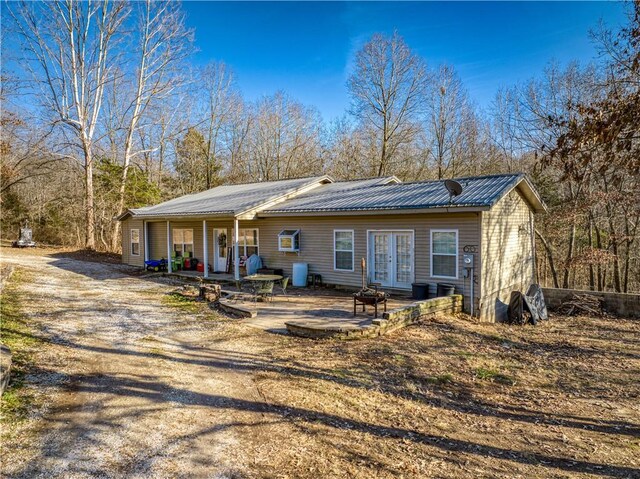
x=300, y=274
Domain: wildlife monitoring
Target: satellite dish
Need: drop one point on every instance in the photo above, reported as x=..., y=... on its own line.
x=454, y=188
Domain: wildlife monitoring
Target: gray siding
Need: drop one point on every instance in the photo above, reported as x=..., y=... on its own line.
x=507, y=254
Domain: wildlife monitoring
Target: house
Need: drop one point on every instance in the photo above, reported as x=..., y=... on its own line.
x=481, y=241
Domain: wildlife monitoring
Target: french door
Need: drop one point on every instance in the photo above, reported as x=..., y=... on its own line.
x=391, y=258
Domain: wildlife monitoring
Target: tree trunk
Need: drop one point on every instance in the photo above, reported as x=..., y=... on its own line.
x=549, y=252
x=90, y=219
x=591, y=271
x=570, y=247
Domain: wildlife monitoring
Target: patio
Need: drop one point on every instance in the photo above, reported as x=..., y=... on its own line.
x=311, y=307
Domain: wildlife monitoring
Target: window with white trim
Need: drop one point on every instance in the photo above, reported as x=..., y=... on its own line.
x=343, y=250
x=248, y=241
x=135, y=242
x=183, y=241
x=444, y=253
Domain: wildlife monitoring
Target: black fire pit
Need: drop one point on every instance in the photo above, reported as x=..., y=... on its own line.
x=369, y=296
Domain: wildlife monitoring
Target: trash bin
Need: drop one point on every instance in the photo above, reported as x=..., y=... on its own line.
x=446, y=289
x=433, y=290
x=420, y=290
x=194, y=264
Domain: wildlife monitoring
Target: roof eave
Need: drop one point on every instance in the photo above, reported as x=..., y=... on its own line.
x=532, y=196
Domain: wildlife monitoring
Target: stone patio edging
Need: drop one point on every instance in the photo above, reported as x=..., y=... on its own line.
x=391, y=320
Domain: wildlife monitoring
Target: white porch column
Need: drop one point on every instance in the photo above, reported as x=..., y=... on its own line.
x=236, y=249
x=206, y=248
x=169, y=269
x=145, y=231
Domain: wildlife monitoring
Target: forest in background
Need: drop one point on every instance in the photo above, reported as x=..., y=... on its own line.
x=102, y=110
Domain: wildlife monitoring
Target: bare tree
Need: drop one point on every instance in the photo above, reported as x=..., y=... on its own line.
x=222, y=103
x=284, y=139
x=387, y=89
x=163, y=43
x=450, y=123
x=70, y=45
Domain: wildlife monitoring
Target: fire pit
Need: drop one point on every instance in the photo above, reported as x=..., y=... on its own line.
x=371, y=297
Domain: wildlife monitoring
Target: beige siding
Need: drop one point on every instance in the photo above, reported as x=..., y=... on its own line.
x=127, y=257
x=507, y=254
x=316, y=239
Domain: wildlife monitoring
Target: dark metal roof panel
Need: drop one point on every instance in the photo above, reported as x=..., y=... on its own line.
x=481, y=191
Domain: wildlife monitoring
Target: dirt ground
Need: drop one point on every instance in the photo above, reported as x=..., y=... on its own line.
x=130, y=383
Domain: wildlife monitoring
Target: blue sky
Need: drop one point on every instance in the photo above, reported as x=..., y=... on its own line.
x=306, y=48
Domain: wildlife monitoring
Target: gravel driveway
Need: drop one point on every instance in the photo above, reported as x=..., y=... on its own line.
x=132, y=387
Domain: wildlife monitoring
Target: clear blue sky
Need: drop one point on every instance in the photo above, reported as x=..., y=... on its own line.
x=306, y=48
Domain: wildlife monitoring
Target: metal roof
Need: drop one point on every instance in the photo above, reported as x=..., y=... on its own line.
x=321, y=194
x=230, y=200
x=478, y=192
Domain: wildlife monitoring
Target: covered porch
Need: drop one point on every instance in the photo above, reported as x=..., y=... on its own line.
x=211, y=248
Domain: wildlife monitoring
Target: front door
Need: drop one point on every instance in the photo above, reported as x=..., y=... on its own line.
x=391, y=258
x=220, y=249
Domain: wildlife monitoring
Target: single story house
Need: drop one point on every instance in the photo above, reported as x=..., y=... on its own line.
x=481, y=240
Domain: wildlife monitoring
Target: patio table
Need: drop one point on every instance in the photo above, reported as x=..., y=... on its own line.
x=263, y=278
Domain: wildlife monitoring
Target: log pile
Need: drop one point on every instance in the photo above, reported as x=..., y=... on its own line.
x=581, y=304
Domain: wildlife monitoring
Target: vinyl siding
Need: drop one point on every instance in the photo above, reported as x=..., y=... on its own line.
x=127, y=257
x=507, y=254
x=316, y=242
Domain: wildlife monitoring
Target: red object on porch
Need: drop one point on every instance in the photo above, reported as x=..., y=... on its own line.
x=187, y=263
x=200, y=267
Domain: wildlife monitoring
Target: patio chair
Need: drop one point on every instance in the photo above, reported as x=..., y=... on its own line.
x=263, y=290
x=284, y=283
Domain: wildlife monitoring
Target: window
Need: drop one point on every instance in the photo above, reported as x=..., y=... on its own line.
x=444, y=253
x=343, y=250
x=289, y=240
x=248, y=242
x=135, y=242
x=183, y=241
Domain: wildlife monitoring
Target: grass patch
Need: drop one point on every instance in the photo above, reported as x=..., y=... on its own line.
x=178, y=301
x=16, y=334
x=488, y=374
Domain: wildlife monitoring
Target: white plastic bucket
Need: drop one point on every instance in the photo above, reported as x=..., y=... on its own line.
x=300, y=274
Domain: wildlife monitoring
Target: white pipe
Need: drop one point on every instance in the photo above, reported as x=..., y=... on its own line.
x=169, y=268
x=236, y=249
x=206, y=248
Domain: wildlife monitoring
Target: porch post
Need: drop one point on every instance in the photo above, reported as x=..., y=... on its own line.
x=145, y=231
x=169, y=269
x=206, y=248
x=236, y=249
